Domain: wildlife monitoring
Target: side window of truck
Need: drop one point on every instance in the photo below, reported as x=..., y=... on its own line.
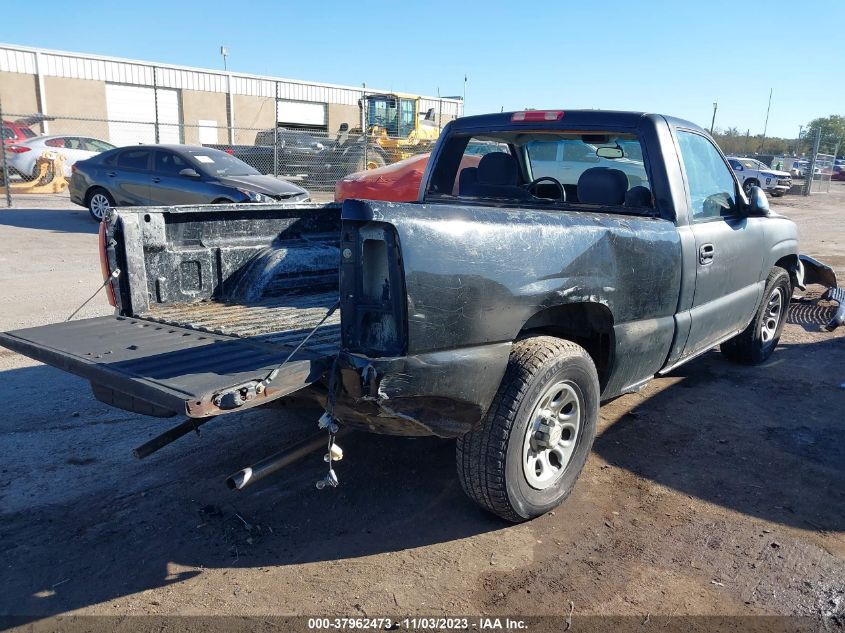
x=712, y=190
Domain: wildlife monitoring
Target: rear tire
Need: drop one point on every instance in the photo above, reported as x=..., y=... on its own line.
x=99, y=201
x=756, y=343
x=515, y=463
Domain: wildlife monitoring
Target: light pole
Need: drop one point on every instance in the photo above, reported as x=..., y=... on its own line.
x=224, y=51
x=713, y=120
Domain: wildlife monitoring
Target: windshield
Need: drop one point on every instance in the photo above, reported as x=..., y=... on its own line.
x=213, y=162
x=392, y=113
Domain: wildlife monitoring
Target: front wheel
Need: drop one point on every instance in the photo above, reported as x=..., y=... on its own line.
x=746, y=186
x=756, y=343
x=372, y=160
x=99, y=203
x=527, y=453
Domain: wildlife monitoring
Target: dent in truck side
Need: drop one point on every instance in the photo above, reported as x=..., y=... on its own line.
x=475, y=277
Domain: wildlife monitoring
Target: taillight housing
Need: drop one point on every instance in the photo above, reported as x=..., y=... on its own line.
x=105, y=268
x=17, y=149
x=372, y=289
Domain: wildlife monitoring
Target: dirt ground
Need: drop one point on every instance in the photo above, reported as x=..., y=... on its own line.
x=718, y=490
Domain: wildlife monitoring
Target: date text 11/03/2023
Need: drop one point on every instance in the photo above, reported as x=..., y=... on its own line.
x=417, y=623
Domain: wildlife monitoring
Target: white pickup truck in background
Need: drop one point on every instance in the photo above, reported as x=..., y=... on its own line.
x=751, y=173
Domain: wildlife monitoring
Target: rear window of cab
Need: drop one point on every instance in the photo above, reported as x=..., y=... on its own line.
x=544, y=167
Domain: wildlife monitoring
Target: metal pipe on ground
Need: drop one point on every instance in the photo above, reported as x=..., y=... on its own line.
x=160, y=441
x=277, y=461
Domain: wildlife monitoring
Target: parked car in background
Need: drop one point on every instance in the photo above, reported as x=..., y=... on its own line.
x=400, y=182
x=753, y=173
x=171, y=175
x=838, y=172
x=15, y=131
x=799, y=169
x=23, y=156
x=287, y=152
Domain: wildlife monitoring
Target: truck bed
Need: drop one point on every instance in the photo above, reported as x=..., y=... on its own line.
x=277, y=320
x=211, y=300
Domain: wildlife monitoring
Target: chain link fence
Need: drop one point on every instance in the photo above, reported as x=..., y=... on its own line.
x=391, y=128
x=822, y=173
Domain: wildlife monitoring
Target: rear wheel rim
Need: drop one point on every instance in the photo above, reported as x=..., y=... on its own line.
x=99, y=205
x=747, y=188
x=552, y=435
x=772, y=316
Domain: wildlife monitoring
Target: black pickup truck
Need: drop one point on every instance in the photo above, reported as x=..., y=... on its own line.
x=500, y=309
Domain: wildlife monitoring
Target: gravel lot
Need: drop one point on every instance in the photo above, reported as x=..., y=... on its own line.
x=718, y=490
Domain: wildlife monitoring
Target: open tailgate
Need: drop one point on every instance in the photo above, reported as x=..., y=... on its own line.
x=165, y=370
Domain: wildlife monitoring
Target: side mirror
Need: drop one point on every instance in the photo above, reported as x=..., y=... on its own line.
x=189, y=173
x=758, y=203
x=739, y=168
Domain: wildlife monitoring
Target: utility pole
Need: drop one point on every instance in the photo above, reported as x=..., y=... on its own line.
x=224, y=51
x=766, y=125
x=465, y=94
x=798, y=140
x=713, y=120
x=811, y=168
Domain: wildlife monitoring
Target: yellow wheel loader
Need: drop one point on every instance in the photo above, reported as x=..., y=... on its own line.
x=397, y=126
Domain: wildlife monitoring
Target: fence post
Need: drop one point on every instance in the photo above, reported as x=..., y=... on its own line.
x=364, y=131
x=276, y=133
x=811, y=168
x=155, y=100
x=6, y=182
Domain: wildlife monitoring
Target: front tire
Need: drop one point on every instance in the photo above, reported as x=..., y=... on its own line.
x=527, y=453
x=756, y=343
x=746, y=186
x=373, y=160
x=99, y=203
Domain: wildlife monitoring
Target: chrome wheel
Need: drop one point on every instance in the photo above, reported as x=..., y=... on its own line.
x=551, y=435
x=747, y=187
x=772, y=316
x=99, y=205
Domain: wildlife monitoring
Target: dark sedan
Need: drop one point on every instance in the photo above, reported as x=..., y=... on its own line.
x=172, y=174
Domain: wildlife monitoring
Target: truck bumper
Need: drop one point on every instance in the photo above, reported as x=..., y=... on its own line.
x=812, y=271
x=439, y=393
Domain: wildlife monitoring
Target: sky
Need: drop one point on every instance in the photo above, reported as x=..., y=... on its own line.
x=675, y=58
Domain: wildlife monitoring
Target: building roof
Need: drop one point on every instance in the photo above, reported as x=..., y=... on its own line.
x=54, y=63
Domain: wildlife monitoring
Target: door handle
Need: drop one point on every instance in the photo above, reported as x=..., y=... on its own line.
x=706, y=253
x=156, y=179
x=111, y=174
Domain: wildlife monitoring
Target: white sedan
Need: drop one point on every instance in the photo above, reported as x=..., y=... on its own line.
x=23, y=155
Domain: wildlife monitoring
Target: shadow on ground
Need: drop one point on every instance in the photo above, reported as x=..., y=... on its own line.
x=728, y=435
x=53, y=220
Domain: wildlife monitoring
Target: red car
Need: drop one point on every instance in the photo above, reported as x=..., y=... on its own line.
x=399, y=182
x=15, y=131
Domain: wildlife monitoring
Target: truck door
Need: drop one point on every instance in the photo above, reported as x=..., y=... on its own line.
x=729, y=246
